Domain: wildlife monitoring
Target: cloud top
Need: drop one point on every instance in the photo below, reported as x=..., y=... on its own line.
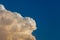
x=13, y=26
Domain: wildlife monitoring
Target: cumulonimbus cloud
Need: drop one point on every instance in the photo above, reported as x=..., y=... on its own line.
x=13, y=26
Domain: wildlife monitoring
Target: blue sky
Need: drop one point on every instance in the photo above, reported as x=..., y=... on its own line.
x=45, y=12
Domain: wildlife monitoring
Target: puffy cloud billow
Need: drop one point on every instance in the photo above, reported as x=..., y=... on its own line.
x=13, y=26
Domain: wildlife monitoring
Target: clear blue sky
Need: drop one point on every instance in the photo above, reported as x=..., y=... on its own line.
x=45, y=12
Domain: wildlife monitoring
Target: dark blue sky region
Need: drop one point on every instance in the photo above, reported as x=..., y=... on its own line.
x=45, y=12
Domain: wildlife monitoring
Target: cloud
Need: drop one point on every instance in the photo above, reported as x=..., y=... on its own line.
x=13, y=26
